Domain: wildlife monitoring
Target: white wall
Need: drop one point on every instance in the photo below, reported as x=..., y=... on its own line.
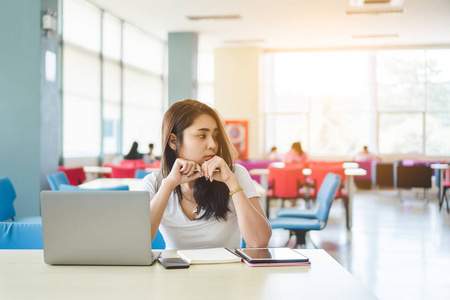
x=236, y=88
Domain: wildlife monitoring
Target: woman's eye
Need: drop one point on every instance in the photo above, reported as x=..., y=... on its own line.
x=202, y=136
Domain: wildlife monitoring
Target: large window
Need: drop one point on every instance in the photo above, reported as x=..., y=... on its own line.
x=205, y=77
x=143, y=89
x=81, y=79
x=395, y=101
x=112, y=83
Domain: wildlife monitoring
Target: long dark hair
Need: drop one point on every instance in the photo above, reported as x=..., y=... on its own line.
x=133, y=154
x=211, y=196
x=297, y=147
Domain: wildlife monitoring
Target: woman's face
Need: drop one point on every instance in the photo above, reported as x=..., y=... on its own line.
x=200, y=140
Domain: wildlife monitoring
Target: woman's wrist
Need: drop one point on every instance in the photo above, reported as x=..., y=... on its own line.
x=232, y=183
x=166, y=182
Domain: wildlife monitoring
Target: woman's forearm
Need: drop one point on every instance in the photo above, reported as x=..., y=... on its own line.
x=253, y=224
x=158, y=205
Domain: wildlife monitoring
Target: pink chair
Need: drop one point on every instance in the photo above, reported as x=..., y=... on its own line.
x=286, y=183
x=320, y=170
x=365, y=181
x=132, y=163
x=123, y=172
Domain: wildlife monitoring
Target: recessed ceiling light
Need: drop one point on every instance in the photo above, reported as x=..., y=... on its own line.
x=373, y=36
x=375, y=2
x=214, y=17
x=374, y=11
x=255, y=41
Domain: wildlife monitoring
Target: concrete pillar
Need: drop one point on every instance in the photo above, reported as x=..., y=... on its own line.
x=29, y=102
x=183, y=48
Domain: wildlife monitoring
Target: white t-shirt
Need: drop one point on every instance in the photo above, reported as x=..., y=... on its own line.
x=181, y=233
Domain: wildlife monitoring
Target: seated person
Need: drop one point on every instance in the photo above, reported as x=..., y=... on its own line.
x=273, y=155
x=296, y=154
x=364, y=155
x=192, y=205
x=133, y=154
x=149, y=158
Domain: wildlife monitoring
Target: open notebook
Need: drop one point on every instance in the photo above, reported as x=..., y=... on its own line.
x=208, y=256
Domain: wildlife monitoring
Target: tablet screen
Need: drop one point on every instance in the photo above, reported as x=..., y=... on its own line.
x=271, y=255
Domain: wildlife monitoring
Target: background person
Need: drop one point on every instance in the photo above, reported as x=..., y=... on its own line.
x=273, y=155
x=192, y=205
x=296, y=154
x=364, y=155
x=149, y=158
x=133, y=153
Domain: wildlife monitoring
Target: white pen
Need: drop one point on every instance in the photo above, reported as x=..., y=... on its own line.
x=215, y=171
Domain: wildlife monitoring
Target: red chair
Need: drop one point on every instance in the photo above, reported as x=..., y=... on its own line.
x=132, y=163
x=76, y=175
x=123, y=172
x=320, y=170
x=286, y=183
x=107, y=175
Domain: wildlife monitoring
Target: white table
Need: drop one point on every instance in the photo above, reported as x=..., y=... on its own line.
x=24, y=275
x=92, y=172
x=441, y=168
x=350, y=173
x=350, y=165
x=101, y=183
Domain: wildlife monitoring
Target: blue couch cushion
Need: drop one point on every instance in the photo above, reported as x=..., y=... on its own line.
x=21, y=235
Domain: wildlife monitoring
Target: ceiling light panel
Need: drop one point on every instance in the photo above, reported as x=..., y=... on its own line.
x=214, y=17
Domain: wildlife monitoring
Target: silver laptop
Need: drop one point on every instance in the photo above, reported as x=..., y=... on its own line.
x=97, y=228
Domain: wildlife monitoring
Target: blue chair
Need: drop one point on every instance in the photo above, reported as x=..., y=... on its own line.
x=297, y=213
x=7, y=197
x=158, y=241
x=67, y=187
x=56, y=179
x=19, y=233
x=300, y=226
x=141, y=173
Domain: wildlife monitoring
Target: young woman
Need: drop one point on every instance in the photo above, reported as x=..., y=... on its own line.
x=296, y=154
x=200, y=199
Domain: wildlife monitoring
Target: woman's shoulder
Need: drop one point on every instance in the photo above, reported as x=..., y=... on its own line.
x=240, y=171
x=237, y=168
x=153, y=179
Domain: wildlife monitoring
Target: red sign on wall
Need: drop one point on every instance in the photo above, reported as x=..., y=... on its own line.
x=238, y=134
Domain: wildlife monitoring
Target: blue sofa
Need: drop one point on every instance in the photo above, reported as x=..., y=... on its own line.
x=21, y=235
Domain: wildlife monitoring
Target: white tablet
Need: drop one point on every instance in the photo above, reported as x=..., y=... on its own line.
x=271, y=255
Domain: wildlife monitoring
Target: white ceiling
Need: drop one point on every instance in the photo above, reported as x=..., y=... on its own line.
x=286, y=24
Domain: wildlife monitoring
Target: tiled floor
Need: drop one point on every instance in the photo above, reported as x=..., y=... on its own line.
x=397, y=249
